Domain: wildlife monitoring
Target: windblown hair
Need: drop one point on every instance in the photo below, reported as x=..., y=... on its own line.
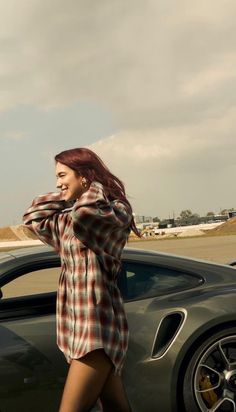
x=89, y=165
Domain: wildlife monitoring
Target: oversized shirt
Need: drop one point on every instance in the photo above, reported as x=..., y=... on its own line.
x=89, y=236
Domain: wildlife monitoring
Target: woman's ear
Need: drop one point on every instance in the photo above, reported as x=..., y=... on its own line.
x=84, y=183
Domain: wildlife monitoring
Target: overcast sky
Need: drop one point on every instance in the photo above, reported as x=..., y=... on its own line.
x=149, y=85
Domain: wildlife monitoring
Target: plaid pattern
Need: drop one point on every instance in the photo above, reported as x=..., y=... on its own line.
x=89, y=236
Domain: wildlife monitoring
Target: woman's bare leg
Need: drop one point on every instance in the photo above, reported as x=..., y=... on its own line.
x=113, y=397
x=85, y=380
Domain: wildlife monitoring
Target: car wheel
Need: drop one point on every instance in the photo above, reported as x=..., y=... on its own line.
x=210, y=378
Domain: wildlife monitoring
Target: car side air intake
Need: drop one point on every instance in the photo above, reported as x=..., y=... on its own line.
x=167, y=332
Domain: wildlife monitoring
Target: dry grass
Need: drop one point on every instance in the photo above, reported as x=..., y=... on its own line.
x=21, y=232
x=18, y=232
x=227, y=228
x=7, y=234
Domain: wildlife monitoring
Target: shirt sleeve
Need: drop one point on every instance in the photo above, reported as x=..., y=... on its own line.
x=98, y=222
x=43, y=218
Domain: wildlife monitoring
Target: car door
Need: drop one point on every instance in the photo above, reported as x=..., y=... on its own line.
x=154, y=323
x=32, y=369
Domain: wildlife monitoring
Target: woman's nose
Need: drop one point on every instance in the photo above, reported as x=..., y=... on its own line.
x=58, y=185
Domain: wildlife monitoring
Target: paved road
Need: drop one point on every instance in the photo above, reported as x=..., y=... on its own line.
x=218, y=248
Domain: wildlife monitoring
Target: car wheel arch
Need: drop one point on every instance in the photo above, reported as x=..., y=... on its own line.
x=184, y=359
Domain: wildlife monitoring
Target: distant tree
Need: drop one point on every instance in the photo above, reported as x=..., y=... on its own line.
x=185, y=214
x=188, y=218
x=195, y=219
x=210, y=214
x=156, y=219
x=224, y=212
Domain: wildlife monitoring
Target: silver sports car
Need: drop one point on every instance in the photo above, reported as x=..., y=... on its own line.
x=182, y=320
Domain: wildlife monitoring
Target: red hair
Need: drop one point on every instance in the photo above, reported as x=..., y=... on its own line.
x=89, y=165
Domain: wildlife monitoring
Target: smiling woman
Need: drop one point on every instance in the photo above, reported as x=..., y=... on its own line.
x=88, y=223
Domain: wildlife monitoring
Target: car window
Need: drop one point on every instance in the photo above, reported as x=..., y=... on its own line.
x=31, y=283
x=138, y=280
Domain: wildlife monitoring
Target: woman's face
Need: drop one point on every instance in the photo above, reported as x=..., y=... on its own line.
x=68, y=182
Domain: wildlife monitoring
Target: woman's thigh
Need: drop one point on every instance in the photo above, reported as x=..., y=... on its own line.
x=113, y=396
x=85, y=380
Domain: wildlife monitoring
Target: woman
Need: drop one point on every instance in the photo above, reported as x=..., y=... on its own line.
x=88, y=224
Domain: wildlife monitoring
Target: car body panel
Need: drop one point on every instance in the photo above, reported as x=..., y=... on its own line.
x=31, y=366
x=164, y=331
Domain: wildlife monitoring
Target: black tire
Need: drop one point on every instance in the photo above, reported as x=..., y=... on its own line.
x=211, y=369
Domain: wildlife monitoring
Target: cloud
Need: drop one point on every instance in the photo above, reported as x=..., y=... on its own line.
x=30, y=138
x=14, y=135
x=157, y=75
x=216, y=76
x=152, y=63
x=168, y=147
x=169, y=170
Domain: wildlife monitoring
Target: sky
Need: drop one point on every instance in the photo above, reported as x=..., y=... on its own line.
x=150, y=86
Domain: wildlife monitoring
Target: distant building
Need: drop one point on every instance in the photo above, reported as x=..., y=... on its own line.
x=147, y=219
x=138, y=219
x=142, y=219
x=232, y=213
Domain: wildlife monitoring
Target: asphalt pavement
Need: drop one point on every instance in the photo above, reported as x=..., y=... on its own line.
x=220, y=249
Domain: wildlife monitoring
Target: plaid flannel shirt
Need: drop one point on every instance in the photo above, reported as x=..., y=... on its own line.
x=89, y=236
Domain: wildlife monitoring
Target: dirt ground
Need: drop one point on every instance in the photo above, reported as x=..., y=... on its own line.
x=215, y=248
